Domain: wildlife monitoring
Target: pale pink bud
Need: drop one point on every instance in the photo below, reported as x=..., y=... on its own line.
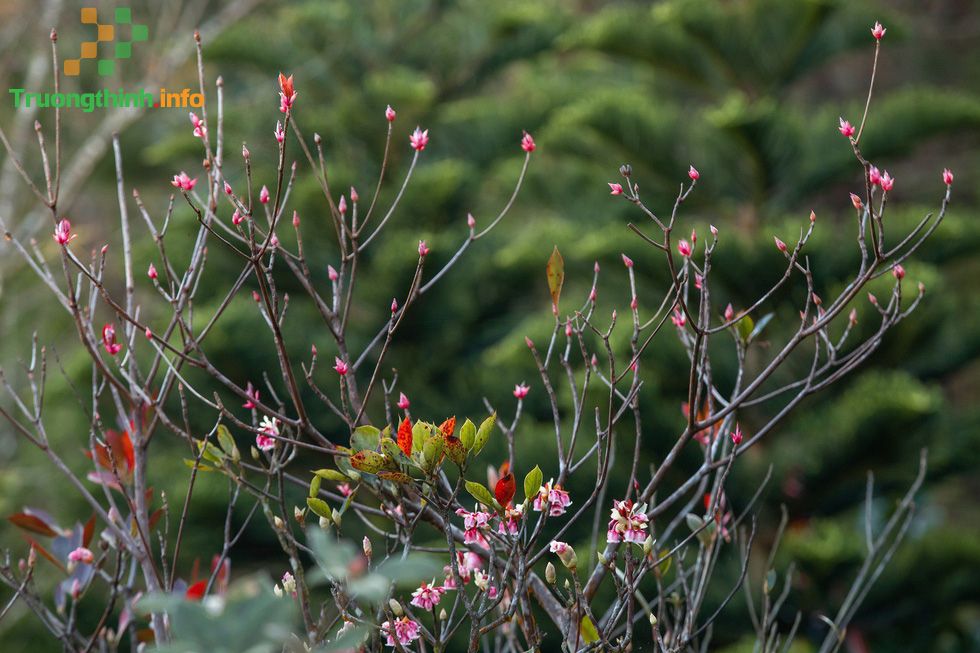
x=947, y=177
x=296, y=219
x=693, y=173
x=151, y=271
x=342, y=205
x=816, y=299
x=595, y=267
x=264, y=195
x=634, y=303
x=340, y=366
x=615, y=189
x=714, y=230
x=813, y=216
x=887, y=181
x=729, y=313
x=390, y=114
x=872, y=299
x=627, y=261
x=245, y=153
x=419, y=139
x=403, y=402
x=684, y=248
x=423, y=248
x=694, y=236
x=856, y=201
x=593, y=295
x=313, y=350
x=878, y=31
x=852, y=317
x=780, y=245
x=698, y=281
x=846, y=128
x=898, y=271
x=568, y=329
x=527, y=143
x=332, y=273
x=594, y=362
x=353, y=195
x=470, y=221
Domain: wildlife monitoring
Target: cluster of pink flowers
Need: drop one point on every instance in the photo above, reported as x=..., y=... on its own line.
x=473, y=522
x=511, y=521
x=183, y=182
x=62, y=232
x=427, y=596
x=521, y=390
x=403, y=630
x=340, y=366
x=552, y=498
x=286, y=93
x=466, y=562
x=268, y=431
x=878, y=178
x=200, y=129
x=628, y=522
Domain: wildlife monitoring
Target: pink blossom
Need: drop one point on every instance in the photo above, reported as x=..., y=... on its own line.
x=287, y=95
x=109, y=340
x=780, y=245
x=81, y=554
x=628, y=522
x=200, y=129
x=846, y=128
x=684, y=248
x=427, y=596
x=552, y=497
x=593, y=295
x=151, y=271
x=264, y=195
x=527, y=143
x=403, y=630
x=183, y=182
x=265, y=439
x=390, y=114
x=279, y=133
x=878, y=31
x=252, y=395
x=698, y=281
x=627, y=261
x=887, y=181
x=874, y=176
x=898, y=271
x=345, y=490
x=511, y=521
x=403, y=402
x=289, y=584
x=237, y=218
x=737, y=435
x=947, y=177
x=419, y=139
x=634, y=303
x=678, y=318
x=729, y=313
x=473, y=522
x=521, y=390
x=693, y=173
x=423, y=248
x=615, y=189
x=62, y=232
x=340, y=366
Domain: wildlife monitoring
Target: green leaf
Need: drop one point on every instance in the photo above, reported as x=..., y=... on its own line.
x=432, y=450
x=482, y=494
x=320, y=507
x=368, y=461
x=467, y=434
x=331, y=475
x=744, y=327
x=200, y=467
x=315, y=485
x=532, y=483
x=227, y=442
x=590, y=635
x=483, y=433
x=210, y=453
x=393, y=454
x=420, y=433
x=365, y=437
x=556, y=276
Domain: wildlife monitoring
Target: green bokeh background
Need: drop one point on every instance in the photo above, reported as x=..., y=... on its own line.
x=747, y=90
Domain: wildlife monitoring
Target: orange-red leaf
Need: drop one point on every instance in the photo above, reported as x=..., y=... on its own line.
x=405, y=437
x=448, y=427
x=196, y=591
x=32, y=523
x=46, y=554
x=88, y=531
x=505, y=489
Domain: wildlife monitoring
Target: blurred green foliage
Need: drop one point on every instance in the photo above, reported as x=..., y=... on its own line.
x=749, y=91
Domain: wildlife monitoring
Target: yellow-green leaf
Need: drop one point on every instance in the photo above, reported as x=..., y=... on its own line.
x=320, y=507
x=467, y=434
x=532, y=483
x=590, y=635
x=479, y=492
x=331, y=475
x=483, y=433
x=556, y=276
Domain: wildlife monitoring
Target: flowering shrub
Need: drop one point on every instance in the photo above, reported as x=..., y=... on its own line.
x=490, y=579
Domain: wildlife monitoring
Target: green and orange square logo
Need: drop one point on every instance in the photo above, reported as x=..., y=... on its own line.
x=108, y=46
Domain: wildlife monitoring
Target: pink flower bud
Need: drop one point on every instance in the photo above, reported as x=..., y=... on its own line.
x=390, y=114
x=698, y=281
x=813, y=216
x=714, y=230
x=394, y=306
x=693, y=173
x=419, y=139
x=780, y=245
x=151, y=271
x=62, y=232
x=856, y=201
x=594, y=362
x=332, y=273
x=596, y=267
x=568, y=329
x=527, y=143
x=694, y=236
x=947, y=177
x=684, y=248
x=279, y=133
x=898, y=271
x=634, y=303
x=887, y=181
x=729, y=313
x=264, y=195
x=245, y=153
x=256, y=297
x=227, y=188
x=353, y=195
x=852, y=317
x=342, y=205
x=183, y=182
x=109, y=340
x=148, y=333
x=737, y=435
x=627, y=261
x=296, y=219
x=593, y=295
x=313, y=350
x=846, y=128
x=403, y=402
x=237, y=218
x=874, y=176
x=340, y=366
x=528, y=342
x=521, y=390
x=423, y=248
x=878, y=31
x=872, y=299
x=470, y=221
x=615, y=189
x=81, y=554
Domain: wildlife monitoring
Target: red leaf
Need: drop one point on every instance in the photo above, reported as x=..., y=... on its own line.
x=505, y=489
x=31, y=522
x=45, y=553
x=196, y=591
x=405, y=437
x=448, y=427
x=88, y=531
